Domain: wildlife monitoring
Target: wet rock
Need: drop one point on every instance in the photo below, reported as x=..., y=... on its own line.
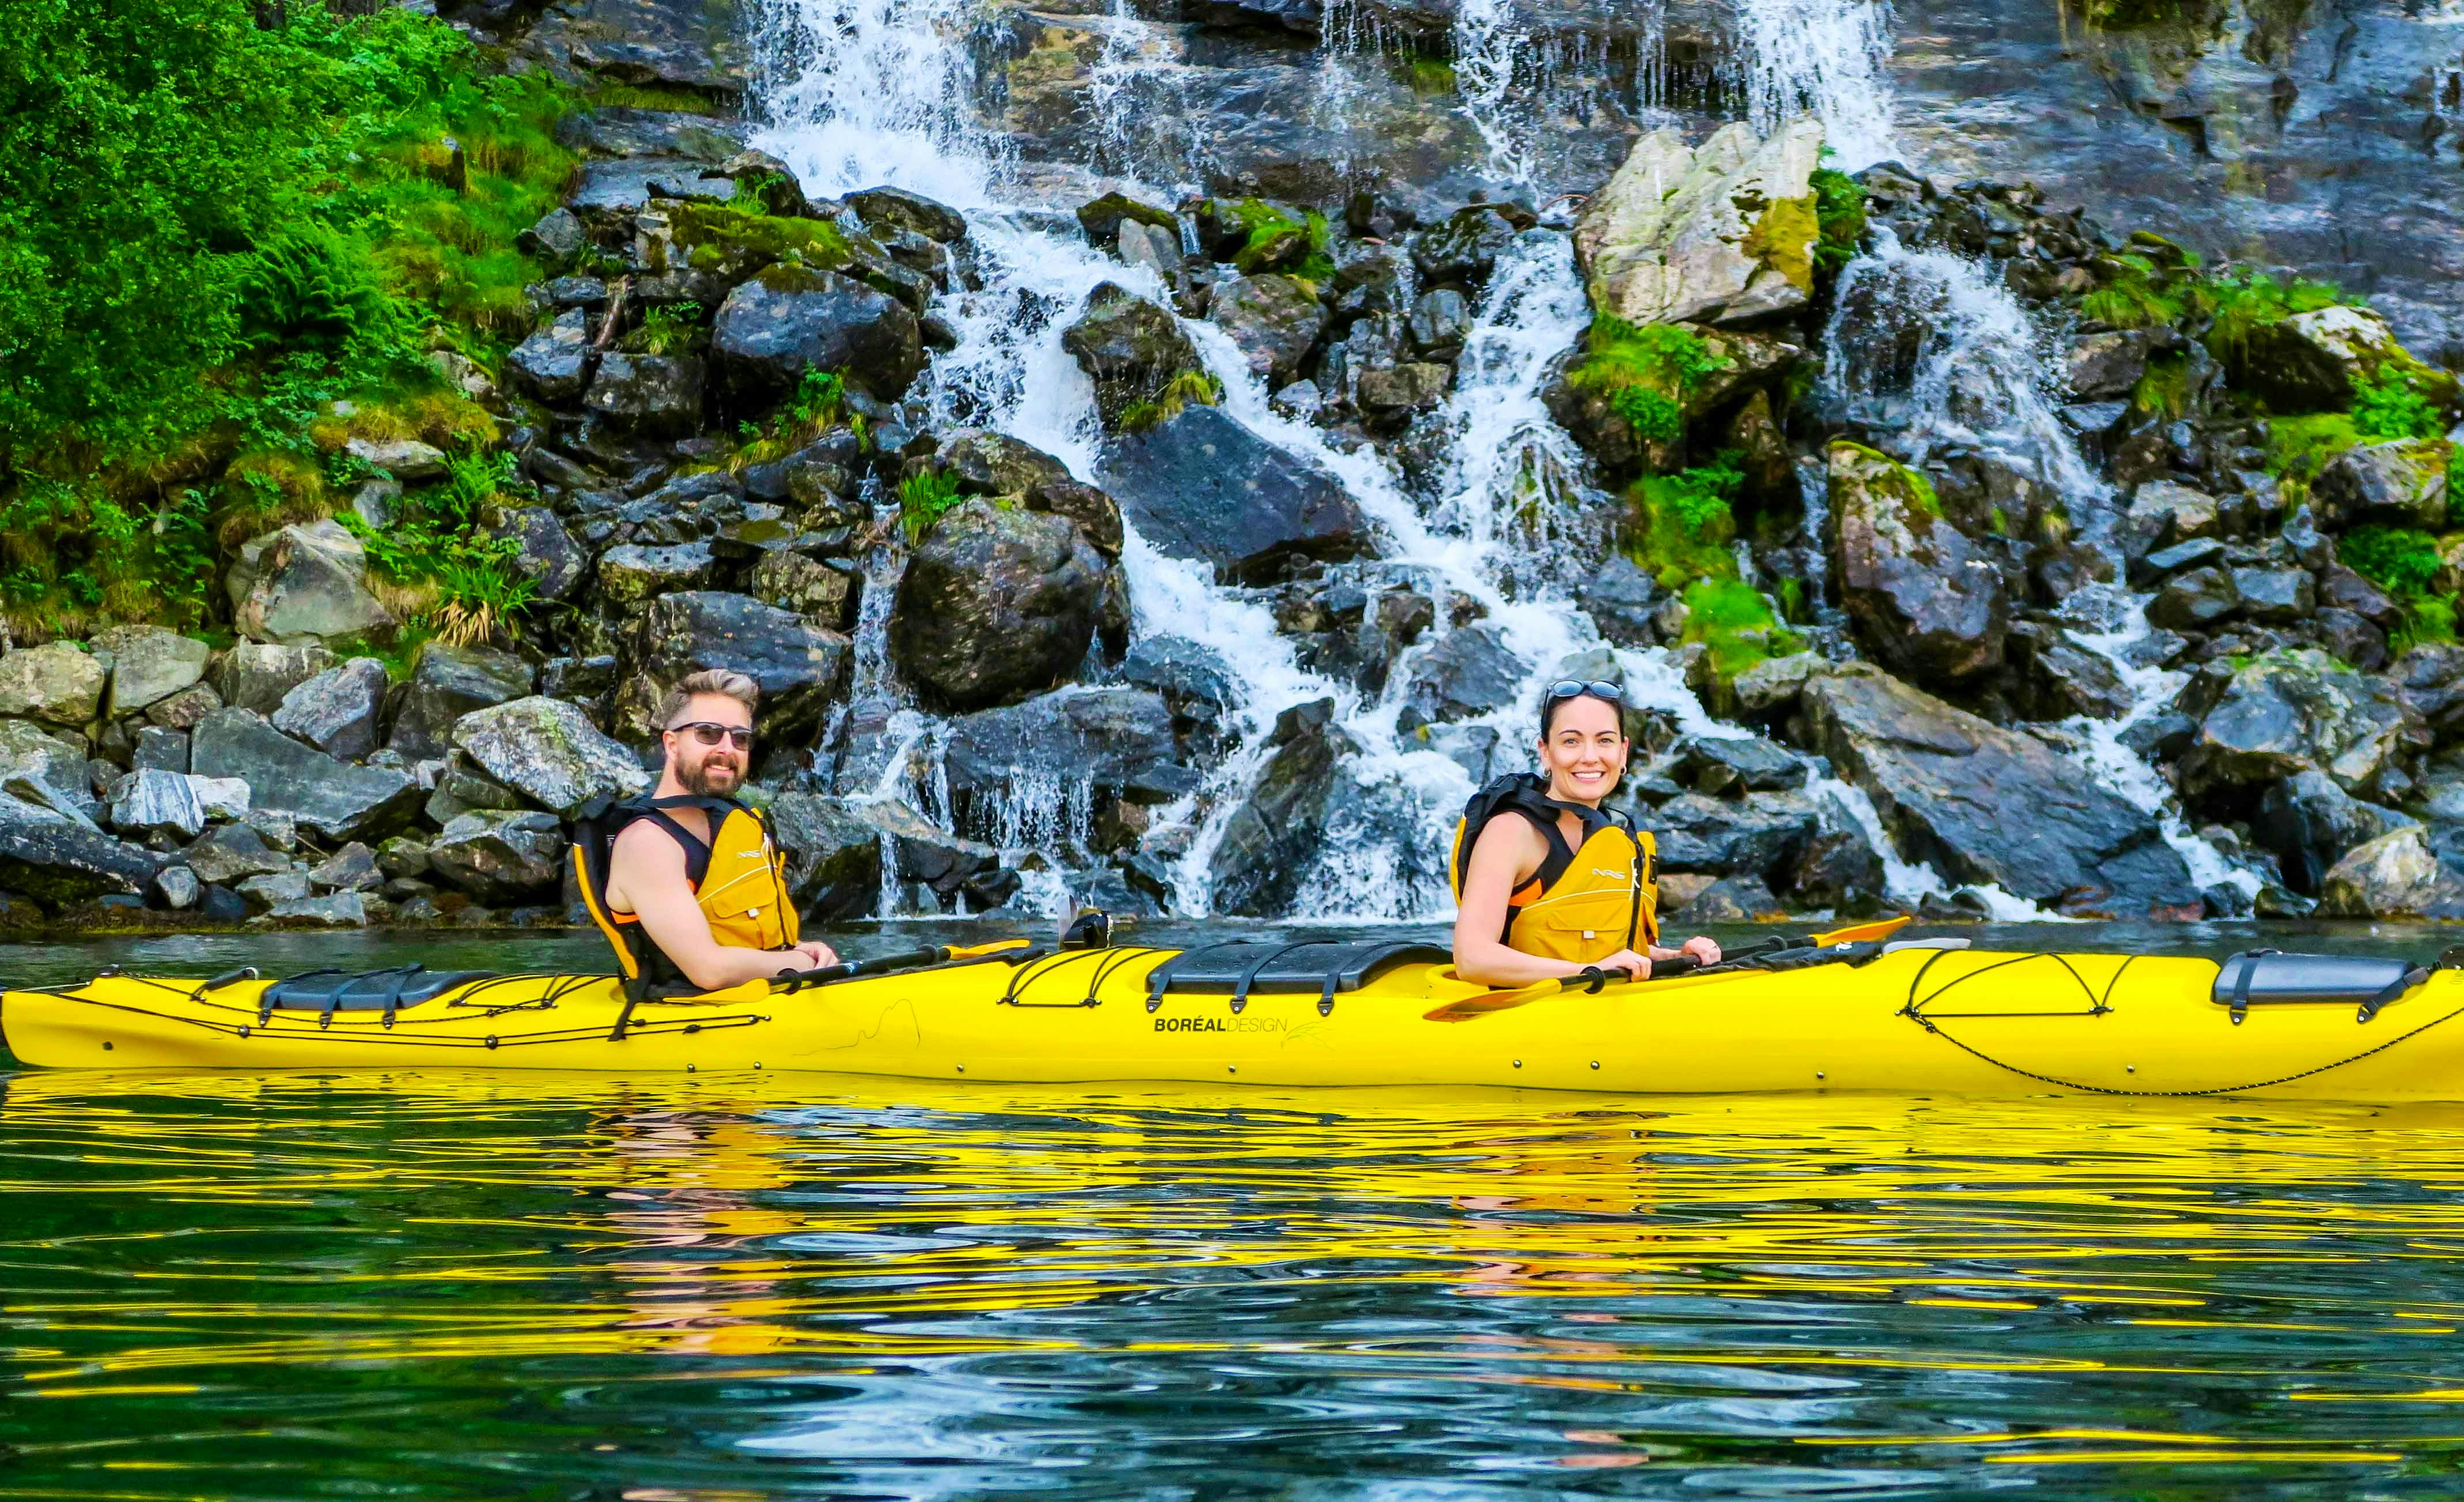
x=1439, y=320
x=2430, y=678
x=548, y=750
x=231, y=853
x=148, y=665
x=1272, y=839
x=255, y=676
x=2390, y=484
x=1194, y=680
x=797, y=584
x=798, y=666
x=554, y=364
x=630, y=574
x=2315, y=362
x=1734, y=899
x=1759, y=834
x=351, y=869
x=1946, y=781
x=55, y=859
x=543, y=551
x=790, y=319
x=937, y=872
x=2395, y=875
x=1840, y=868
x=2060, y=678
x=1770, y=688
x=1727, y=765
x=2194, y=601
x=303, y=583
x=656, y=396
x=1467, y=673
x=2278, y=595
x=2340, y=588
x=987, y=463
x=833, y=856
x=1623, y=602
x=1102, y=217
x=693, y=45
x=897, y=209
x=335, y=800
x=501, y=857
x=996, y=605
x=1720, y=233
x=446, y=683
x=1132, y=349
x=1464, y=249
x=2107, y=365
x=1201, y=486
x=57, y=683
x=2311, y=823
x=1046, y=763
x=336, y=711
x=2163, y=513
x=1274, y=319
x=1926, y=597
x=2350, y=638
x=156, y=803
x=337, y=910
x=2300, y=711
x=2178, y=558
x=1415, y=386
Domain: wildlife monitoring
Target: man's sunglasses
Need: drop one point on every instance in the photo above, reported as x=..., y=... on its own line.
x=1573, y=687
x=710, y=733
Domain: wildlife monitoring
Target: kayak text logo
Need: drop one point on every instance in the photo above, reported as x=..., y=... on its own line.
x=1221, y=1024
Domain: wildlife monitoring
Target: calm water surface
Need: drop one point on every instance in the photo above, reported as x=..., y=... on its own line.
x=548, y=1287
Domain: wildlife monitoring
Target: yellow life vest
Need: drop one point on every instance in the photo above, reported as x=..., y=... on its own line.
x=1585, y=902
x=739, y=881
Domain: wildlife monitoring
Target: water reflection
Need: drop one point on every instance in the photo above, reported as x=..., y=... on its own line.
x=284, y=1286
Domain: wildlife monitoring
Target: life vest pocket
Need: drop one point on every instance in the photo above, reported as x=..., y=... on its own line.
x=1583, y=925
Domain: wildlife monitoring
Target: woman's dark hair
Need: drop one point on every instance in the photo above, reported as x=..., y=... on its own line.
x=1566, y=691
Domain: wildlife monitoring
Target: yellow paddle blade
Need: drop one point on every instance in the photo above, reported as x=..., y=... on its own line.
x=978, y=951
x=1482, y=1005
x=1880, y=928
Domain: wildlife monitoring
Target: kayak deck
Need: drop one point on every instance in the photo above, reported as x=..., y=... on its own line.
x=1917, y=1019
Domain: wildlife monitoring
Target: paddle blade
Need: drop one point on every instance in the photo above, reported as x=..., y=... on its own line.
x=978, y=951
x=1471, y=1007
x=1880, y=928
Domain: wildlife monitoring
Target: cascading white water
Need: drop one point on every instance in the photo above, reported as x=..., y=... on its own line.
x=1825, y=57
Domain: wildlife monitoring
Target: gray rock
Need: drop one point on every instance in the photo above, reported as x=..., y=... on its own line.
x=548, y=750
x=55, y=859
x=998, y=604
x=2315, y=362
x=1132, y=348
x=1761, y=834
x=790, y=319
x=1926, y=596
x=183, y=710
x=56, y=683
x=1623, y=602
x=1734, y=899
x=1677, y=235
x=179, y=887
x=1439, y=320
x=557, y=239
x=446, y=683
x=156, y=803
x=501, y=857
x=223, y=798
x=543, y=551
x=336, y=711
x=301, y=584
x=2194, y=601
x=656, y=396
x=554, y=364
x=2401, y=484
x=2177, y=558
x=1945, y=784
x=405, y=459
x=149, y=665
x=798, y=666
x=897, y=209
x=2295, y=712
x=351, y=869
x=334, y=799
x=2311, y=823
x=2396, y=875
x=161, y=749
x=338, y=910
x=1463, y=249
x=231, y=852
x=1027, y=763
x=833, y=856
x=1200, y=486
x=1274, y=319
x=1414, y=386
x=2107, y=365
x=807, y=587
x=1770, y=688
x=1467, y=673
x=45, y=770
x=404, y=857
x=937, y=872
x=2059, y=678
x=1726, y=766
x=1272, y=839
x=275, y=889
x=2278, y=595
x=256, y=676
x=630, y=574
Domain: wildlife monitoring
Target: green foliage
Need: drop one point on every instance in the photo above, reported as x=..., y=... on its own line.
x=2299, y=448
x=1272, y=234
x=1840, y=212
x=2455, y=474
x=2399, y=559
x=2250, y=301
x=2391, y=408
x=668, y=329
x=2427, y=619
x=2164, y=388
x=72, y=558
x=2136, y=292
x=1646, y=372
x=1182, y=389
x=463, y=585
x=1681, y=525
x=1430, y=76
x=1317, y=266
x=1735, y=621
x=924, y=498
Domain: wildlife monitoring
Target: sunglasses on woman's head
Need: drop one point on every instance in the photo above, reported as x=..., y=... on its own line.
x=710, y=733
x=1572, y=688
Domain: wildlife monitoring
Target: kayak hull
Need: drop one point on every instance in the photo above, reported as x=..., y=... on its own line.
x=1959, y=1022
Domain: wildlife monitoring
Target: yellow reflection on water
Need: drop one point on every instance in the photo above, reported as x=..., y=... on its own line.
x=1589, y=1251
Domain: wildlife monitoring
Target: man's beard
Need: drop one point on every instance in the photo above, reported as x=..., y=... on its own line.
x=699, y=780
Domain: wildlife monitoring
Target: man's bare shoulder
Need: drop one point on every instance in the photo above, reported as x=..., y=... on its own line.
x=645, y=842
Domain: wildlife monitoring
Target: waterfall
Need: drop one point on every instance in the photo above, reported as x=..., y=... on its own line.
x=1824, y=58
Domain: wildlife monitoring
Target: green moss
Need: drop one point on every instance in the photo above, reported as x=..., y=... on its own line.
x=2137, y=292
x=2243, y=304
x=1430, y=76
x=2299, y=448
x=1909, y=487
x=760, y=238
x=1274, y=236
x=1735, y=622
x=1187, y=387
x=1646, y=372
x=2163, y=389
x=2427, y=619
x=1786, y=239
x=1679, y=527
x=1839, y=210
x=2399, y=559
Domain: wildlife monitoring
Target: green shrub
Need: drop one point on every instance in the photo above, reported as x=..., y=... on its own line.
x=2136, y=294
x=1646, y=372
x=453, y=580
x=2250, y=301
x=1839, y=213
x=669, y=328
x=924, y=498
x=1735, y=621
x=2401, y=561
x=2391, y=408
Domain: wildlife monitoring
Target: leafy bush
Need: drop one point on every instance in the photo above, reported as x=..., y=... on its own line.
x=2250, y=301
x=2391, y=408
x=1839, y=213
x=669, y=327
x=2138, y=294
x=1646, y=372
x=2399, y=559
x=924, y=498
x=454, y=581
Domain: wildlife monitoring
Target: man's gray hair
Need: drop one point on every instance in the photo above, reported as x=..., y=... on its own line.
x=713, y=680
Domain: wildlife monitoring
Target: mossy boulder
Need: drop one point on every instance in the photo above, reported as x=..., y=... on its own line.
x=788, y=320
x=1929, y=601
x=1720, y=233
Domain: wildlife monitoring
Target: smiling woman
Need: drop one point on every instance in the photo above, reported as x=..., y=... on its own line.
x=1565, y=887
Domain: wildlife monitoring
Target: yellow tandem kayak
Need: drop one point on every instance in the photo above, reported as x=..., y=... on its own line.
x=1926, y=1017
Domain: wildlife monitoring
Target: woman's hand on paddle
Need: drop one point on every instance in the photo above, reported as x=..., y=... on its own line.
x=1702, y=949
x=1633, y=964
x=816, y=955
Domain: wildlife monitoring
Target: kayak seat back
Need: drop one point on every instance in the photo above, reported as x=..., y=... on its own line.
x=2268, y=976
x=365, y=990
x=1243, y=969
